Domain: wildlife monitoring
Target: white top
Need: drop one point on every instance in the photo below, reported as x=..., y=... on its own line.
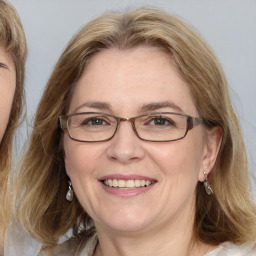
x=230, y=249
x=224, y=249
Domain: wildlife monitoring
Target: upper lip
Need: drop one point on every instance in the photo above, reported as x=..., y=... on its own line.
x=125, y=177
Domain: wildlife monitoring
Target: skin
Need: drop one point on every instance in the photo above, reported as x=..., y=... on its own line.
x=126, y=81
x=7, y=89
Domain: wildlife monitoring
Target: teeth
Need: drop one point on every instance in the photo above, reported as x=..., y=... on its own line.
x=127, y=183
x=115, y=183
x=137, y=183
x=130, y=184
x=121, y=183
x=147, y=183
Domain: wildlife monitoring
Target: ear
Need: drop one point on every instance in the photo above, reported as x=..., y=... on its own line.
x=66, y=165
x=213, y=138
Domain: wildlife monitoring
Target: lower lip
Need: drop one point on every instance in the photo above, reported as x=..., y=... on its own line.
x=121, y=192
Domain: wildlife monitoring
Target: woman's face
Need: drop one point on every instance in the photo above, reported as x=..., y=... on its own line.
x=130, y=83
x=7, y=89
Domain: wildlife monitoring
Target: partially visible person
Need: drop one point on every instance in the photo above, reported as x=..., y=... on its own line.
x=13, y=52
x=136, y=147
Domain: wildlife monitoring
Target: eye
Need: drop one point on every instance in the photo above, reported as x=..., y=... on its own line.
x=2, y=65
x=161, y=121
x=94, y=121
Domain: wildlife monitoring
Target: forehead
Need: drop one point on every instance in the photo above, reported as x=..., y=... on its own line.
x=128, y=79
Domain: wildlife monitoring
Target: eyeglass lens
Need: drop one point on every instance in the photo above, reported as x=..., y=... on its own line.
x=99, y=127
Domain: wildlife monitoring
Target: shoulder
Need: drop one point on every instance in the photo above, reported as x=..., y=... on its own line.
x=90, y=246
x=230, y=249
x=72, y=246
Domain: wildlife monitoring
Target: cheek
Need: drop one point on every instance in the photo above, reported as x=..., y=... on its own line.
x=181, y=158
x=80, y=158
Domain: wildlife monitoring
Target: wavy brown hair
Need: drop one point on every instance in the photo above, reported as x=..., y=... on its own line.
x=12, y=40
x=228, y=215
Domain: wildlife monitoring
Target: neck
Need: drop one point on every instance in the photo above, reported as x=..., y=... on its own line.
x=163, y=241
x=140, y=247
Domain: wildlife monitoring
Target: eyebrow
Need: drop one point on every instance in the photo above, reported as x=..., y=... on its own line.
x=95, y=104
x=155, y=106
x=149, y=107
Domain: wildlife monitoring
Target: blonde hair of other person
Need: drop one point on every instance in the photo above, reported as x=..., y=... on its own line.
x=228, y=215
x=12, y=40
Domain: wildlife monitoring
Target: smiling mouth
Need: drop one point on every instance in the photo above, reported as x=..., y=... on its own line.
x=127, y=184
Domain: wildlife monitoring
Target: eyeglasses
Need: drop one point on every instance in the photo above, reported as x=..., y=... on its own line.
x=155, y=127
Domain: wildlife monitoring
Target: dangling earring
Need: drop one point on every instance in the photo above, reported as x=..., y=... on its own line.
x=207, y=186
x=70, y=193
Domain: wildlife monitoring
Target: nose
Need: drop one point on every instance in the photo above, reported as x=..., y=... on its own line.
x=125, y=147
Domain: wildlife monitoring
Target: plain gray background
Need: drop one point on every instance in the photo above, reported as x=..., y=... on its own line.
x=229, y=26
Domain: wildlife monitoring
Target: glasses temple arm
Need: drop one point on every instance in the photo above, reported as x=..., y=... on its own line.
x=193, y=121
x=62, y=122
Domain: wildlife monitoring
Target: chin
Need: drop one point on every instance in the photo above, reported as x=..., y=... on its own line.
x=124, y=222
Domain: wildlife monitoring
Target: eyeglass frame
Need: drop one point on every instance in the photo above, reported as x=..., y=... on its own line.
x=191, y=123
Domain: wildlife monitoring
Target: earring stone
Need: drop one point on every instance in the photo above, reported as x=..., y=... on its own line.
x=207, y=185
x=70, y=193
